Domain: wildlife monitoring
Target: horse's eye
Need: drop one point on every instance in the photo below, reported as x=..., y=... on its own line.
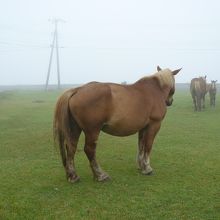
x=172, y=91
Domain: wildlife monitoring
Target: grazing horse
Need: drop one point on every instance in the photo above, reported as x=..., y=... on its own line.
x=115, y=109
x=198, y=91
x=212, y=92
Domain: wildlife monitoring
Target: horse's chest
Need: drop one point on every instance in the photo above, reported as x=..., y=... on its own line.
x=158, y=112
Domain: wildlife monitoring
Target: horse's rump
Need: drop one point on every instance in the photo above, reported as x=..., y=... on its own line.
x=198, y=89
x=197, y=86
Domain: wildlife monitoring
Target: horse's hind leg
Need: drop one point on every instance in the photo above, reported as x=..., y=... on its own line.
x=198, y=100
x=203, y=102
x=71, y=146
x=90, y=150
x=194, y=102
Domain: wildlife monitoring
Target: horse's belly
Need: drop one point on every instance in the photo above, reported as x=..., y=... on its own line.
x=118, y=132
x=123, y=129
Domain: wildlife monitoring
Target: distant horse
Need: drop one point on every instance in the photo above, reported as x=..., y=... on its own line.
x=212, y=92
x=198, y=92
x=116, y=109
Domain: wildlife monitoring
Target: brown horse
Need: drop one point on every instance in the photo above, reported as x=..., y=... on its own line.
x=116, y=109
x=198, y=91
x=212, y=92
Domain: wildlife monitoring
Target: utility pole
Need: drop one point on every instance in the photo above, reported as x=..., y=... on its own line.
x=54, y=44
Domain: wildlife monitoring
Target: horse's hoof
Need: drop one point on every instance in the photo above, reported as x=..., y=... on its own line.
x=151, y=173
x=74, y=179
x=148, y=173
x=103, y=178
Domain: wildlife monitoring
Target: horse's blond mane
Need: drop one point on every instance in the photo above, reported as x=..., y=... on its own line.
x=164, y=77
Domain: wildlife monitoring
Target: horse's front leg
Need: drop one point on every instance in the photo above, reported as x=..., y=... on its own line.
x=140, y=153
x=203, y=102
x=146, y=139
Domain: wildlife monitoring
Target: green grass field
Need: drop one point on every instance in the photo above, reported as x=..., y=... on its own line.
x=185, y=158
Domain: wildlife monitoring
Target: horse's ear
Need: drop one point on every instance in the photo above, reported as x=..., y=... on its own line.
x=158, y=68
x=176, y=71
x=205, y=76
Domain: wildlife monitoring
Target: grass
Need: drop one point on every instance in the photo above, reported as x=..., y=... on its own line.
x=185, y=157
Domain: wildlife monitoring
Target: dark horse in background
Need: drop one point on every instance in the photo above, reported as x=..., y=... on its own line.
x=212, y=92
x=115, y=109
x=198, y=91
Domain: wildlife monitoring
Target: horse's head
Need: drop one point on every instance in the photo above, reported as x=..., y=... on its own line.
x=167, y=83
x=213, y=83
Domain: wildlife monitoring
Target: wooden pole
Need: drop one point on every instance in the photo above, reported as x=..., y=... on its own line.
x=55, y=41
x=57, y=52
x=50, y=61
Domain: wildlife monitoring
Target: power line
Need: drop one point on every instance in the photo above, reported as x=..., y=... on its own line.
x=24, y=45
x=20, y=44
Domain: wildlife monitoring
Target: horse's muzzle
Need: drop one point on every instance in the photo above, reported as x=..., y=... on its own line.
x=169, y=102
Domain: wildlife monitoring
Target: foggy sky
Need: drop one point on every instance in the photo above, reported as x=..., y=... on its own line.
x=117, y=40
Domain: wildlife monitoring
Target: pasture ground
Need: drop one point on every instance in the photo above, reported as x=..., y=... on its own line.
x=185, y=158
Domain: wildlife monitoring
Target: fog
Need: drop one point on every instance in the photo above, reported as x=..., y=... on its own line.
x=117, y=40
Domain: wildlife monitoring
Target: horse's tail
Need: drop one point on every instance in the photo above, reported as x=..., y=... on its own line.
x=62, y=122
x=195, y=86
x=192, y=87
x=198, y=89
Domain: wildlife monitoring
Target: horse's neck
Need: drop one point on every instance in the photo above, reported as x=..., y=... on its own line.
x=148, y=83
x=153, y=84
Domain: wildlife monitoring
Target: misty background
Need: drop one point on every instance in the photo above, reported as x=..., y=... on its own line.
x=116, y=41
